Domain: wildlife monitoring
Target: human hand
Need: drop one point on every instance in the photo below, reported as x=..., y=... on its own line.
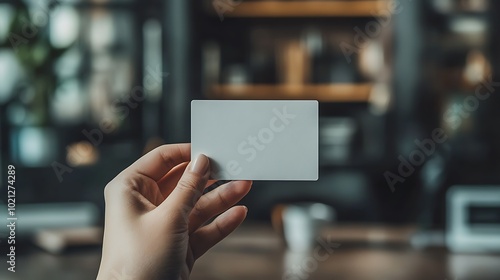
x=156, y=214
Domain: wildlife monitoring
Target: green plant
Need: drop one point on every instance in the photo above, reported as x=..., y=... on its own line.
x=31, y=45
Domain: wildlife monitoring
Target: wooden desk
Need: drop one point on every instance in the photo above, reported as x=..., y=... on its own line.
x=256, y=252
x=365, y=253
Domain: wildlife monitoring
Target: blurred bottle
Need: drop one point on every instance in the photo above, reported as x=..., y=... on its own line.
x=294, y=62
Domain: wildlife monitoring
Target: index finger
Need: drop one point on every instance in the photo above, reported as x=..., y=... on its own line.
x=159, y=161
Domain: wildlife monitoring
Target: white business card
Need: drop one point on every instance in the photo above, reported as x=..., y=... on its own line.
x=257, y=140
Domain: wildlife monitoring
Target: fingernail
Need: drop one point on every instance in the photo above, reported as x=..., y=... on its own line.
x=200, y=165
x=246, y=208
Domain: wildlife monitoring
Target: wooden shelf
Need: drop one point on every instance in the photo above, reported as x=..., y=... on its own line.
x=322, y=92
x=313, y=8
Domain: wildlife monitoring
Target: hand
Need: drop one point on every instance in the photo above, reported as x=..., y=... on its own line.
x=156, y=214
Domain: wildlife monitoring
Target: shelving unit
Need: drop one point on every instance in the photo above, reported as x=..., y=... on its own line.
x=321, y=92
x=349, y=8
x=291, y=50
x=122, y=48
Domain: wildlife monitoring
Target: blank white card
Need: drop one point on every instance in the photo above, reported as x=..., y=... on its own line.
x=257, y=140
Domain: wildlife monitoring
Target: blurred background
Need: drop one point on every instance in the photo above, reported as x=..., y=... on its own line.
x=408, y=127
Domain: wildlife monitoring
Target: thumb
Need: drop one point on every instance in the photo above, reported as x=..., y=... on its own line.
x=190, y=187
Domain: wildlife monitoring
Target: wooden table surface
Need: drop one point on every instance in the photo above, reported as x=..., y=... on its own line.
x=257, y=252
x=364, y=253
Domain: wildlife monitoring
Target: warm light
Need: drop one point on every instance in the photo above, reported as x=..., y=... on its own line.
x=81, y=154
x=477, y=68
